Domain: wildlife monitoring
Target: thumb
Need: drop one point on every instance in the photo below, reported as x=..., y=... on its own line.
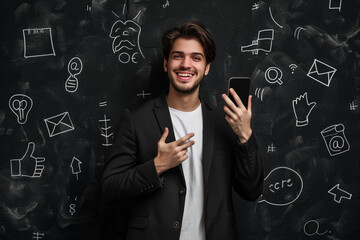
x=30, y=150
x=164, y=136
x=312, y=105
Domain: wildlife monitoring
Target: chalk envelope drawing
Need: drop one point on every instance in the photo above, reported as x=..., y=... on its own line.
x=126, y=37
x=59, y=124
x=339, y=193
x=302, y=109
x=335, y=139
x=321, y=72
x=262, y=43
x=38, y=42
x=20, y=105
x=282, y=186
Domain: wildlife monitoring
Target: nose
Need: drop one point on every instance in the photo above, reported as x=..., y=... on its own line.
x=186, y=62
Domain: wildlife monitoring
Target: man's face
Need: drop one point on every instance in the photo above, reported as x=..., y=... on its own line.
x=186, y=65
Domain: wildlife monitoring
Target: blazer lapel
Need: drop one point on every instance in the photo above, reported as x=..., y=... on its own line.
x=162, y=115
x=208, y=139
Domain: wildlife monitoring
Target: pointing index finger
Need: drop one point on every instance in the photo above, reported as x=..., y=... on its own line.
x=182, y=140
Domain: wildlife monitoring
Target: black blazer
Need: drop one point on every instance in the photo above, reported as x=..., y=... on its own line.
x=156, y=203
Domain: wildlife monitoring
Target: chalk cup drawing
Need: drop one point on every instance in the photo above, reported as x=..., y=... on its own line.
x=339, y=193
x=335, y=139
x=321, y=72
x=75, y=67
x=29, y=165
x=282, y=186
x=274, y=75
x=262, y=43
x=302, y=109
x=75, y=166
x=38, y=42
x=311, y=228
x=59, y=124
x=20, y=105
x=126, y=37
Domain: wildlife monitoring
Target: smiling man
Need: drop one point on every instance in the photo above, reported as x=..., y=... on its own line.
x=177, y=158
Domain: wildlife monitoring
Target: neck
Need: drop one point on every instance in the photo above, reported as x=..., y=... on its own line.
x=185, y=102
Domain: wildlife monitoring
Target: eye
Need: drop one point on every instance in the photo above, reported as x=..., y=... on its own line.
x=176, y=56
x=197, y=58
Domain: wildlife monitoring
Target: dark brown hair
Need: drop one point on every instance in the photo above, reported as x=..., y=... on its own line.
x=189, y=30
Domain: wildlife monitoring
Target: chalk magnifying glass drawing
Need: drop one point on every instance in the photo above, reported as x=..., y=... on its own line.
x=274, y=75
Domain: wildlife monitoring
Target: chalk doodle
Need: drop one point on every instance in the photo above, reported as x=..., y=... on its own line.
x=339, y=193
x=143, y=94
x=353, y=106
x=259, y=93
x=302, y=109
x=72, y=207
x=255, y=6
x=38, y=42
x=293, y=67
x=126, y=37
x=103, y=104
x=273, y=18
x=335, y=139
x=321, y=72
x=74, y=68
x=37, y=236
x=28, y=165
x=335, y=4
x=274, y=75
x=271, y=148
x=105, y=131
x=282, y=186
x=167, y=4
x=297, y=32
x=20, y=105
x=311, y=228
x=75, y=167
x=59, y=124
x=4, y=131
x=262, y=43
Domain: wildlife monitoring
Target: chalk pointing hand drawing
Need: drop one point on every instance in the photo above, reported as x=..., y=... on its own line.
x=28, y=165
x=302, y=109
x=126, y=37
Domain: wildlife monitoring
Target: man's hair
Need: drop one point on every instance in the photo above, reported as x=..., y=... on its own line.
x=189, y=30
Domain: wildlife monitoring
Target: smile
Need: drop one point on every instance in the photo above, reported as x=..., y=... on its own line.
x=184, y=76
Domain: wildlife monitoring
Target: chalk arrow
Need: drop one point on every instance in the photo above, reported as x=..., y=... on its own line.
x=75, y=166
x=339, y=193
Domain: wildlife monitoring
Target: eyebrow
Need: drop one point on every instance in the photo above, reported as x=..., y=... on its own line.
x=193, y=53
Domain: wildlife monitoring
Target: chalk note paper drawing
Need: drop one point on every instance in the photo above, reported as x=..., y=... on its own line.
x=335, y=4
x=38, y=42
x=29, y=165
x=59, y=124
x=311, y=228
x=74, y=68
x=302, y=109
x=321, y=72
x=282, y=186
x=75, y=167
x=126, y=37
x=38, y=236
x=105, y=132
x=335, y=139
x=20, y=105
x=274, y=75
x=339, y=193
x=262, y=43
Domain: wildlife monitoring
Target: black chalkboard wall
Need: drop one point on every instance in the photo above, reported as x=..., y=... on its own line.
x=65, y=80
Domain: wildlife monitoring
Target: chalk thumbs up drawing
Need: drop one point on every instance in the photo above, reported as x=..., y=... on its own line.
x=28, y=165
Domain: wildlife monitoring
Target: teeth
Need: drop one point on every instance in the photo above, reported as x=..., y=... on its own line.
x=184, y=74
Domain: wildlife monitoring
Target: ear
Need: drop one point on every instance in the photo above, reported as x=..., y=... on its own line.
x=165, y=65
x=207, y=69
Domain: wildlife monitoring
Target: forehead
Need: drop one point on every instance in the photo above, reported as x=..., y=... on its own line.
x=187, y=46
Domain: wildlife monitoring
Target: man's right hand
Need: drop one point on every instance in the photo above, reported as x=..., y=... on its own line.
x=171, y=154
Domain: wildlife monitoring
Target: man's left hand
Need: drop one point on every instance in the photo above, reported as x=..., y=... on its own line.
x=238, y=116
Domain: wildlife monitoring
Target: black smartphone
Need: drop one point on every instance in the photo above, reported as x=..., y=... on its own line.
x=241, y=86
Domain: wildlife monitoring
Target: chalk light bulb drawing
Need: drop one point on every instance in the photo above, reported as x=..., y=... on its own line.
x=74, y=68
x=20, y=105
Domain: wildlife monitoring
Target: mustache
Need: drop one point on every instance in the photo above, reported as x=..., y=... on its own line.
x=118, y=44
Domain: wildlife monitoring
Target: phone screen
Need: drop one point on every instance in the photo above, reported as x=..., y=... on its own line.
x=241, y=86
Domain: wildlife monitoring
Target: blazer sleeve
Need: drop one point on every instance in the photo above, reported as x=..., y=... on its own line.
x=249, y=177
x=124, y=176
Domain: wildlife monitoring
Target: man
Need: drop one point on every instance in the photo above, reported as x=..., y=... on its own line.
x=176, y=159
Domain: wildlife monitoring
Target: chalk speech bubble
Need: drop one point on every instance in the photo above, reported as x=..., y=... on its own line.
x=282, y=186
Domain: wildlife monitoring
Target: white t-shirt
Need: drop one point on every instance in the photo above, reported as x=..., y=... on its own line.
x=192, y=226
